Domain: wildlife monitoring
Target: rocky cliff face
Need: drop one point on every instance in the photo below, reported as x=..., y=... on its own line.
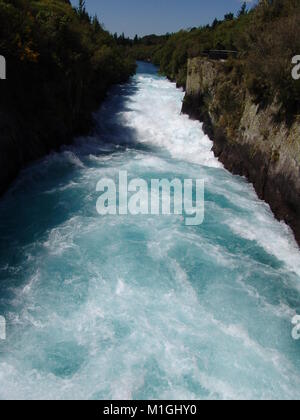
x=247, y=138
x=25, y=138
x=23, y=141
x=29, y=131
x=59, y=64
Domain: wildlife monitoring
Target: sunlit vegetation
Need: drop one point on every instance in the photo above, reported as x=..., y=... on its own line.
x=265, y=37
x=60, y=64
x=273, y=39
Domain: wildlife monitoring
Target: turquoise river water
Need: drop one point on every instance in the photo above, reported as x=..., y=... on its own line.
x=144, y=307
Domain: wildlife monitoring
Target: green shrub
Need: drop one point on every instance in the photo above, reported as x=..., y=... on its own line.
x=60, y=63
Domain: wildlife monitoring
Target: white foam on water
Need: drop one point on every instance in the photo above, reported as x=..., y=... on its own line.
x=144, y=307
x=276, y=238
x=156, y=116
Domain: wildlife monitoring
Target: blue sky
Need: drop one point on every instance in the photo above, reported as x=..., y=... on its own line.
x=144, y=17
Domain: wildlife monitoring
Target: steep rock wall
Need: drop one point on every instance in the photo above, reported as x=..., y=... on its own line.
x=247, y=139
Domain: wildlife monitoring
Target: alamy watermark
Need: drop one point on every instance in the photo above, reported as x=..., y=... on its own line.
x=296, y=329
x=296, y=68
x=2, y=67
x=2, y=328
x=156, y=197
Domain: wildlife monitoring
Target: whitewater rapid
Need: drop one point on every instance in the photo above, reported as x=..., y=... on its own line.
x=144, y=307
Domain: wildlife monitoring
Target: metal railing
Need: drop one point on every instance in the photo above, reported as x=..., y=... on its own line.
x=219, y=54
x=2, y=67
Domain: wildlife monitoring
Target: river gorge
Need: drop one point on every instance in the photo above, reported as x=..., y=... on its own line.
x=141, y=306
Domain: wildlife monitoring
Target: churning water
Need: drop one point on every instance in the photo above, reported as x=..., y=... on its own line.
x=144, y=307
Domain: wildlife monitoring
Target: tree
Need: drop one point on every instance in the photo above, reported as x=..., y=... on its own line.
x=229, y=16
x=243, y=10
x=96, y=24
x=215, y=23
x=83, y=14
x=81, y=7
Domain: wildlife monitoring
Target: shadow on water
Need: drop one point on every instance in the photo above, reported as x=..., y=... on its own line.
x=110, y=126
x=38, y=202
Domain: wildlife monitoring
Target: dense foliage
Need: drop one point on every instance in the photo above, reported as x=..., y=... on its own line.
x=265, y=37
x=272, y=41
x=60, y=63
x=172, y=51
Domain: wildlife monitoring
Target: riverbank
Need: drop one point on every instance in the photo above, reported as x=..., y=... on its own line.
x=143, y=307
x=60, y=64
x=247, y=138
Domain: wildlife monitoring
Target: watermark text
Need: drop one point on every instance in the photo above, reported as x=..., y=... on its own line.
x=296, y=68
x=2, y=67
x=157, y=197
x=2, y=328
x=296, y=329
